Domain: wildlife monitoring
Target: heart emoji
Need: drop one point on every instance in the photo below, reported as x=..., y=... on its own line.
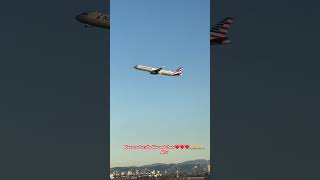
x=187, y=146
x=177, y=146
x=182, y=146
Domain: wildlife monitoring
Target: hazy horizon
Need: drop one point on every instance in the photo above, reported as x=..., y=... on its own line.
x=158, y=163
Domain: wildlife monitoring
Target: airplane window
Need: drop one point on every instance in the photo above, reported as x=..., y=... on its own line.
x=106, y=18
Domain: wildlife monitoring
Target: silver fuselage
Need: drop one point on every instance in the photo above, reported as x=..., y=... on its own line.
x=94, y=18
x=151, y=70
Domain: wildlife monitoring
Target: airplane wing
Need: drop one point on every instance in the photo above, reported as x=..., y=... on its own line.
x=156, y=71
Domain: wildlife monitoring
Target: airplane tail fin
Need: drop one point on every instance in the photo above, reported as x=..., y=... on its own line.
x=221, y=29
x=178, y=72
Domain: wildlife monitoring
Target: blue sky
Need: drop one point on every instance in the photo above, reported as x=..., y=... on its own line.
x=147, y=109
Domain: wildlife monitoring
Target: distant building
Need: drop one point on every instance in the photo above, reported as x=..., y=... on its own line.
x=195, y=170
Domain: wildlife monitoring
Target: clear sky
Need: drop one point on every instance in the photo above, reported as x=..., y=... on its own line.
x=147, y=109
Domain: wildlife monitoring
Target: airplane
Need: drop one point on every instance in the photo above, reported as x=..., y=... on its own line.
x=94, y=19
x=218, y=33
x=161, y=71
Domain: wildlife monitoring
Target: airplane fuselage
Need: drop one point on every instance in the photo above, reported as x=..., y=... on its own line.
x=94, y=18
x=160, y=71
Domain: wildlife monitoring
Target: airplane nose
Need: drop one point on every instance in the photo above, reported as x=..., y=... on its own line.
x=78, y=17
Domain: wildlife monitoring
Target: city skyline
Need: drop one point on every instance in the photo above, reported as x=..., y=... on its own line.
x=195, y=168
